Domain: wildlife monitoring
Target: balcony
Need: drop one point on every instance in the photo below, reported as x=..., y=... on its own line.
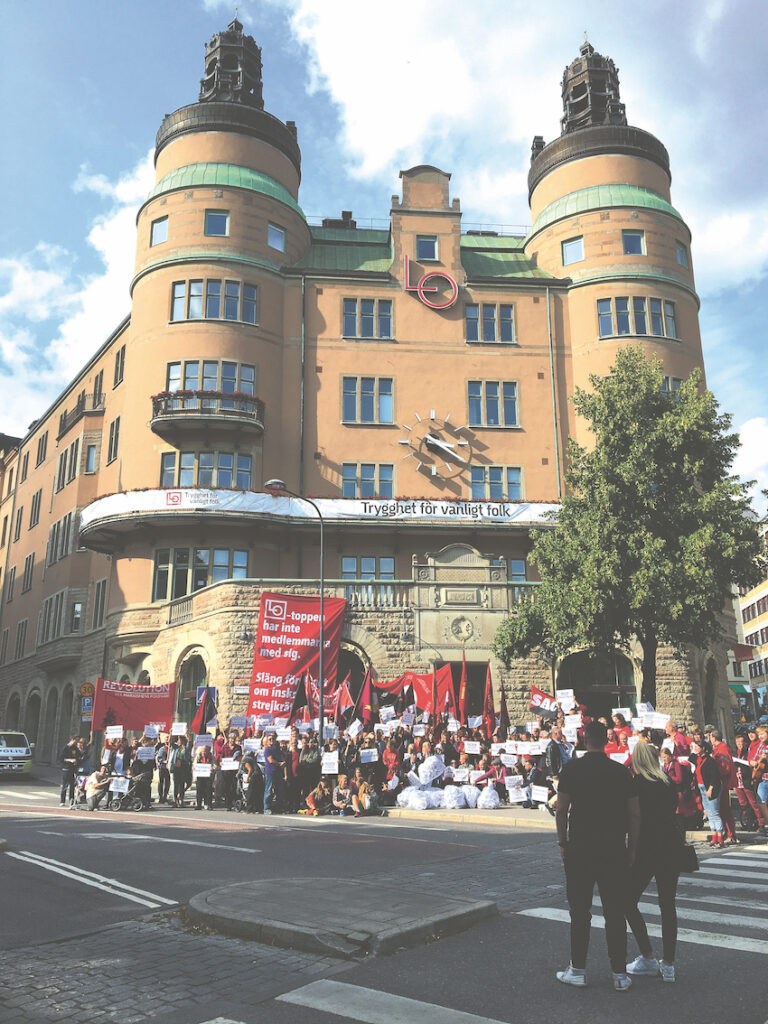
x=86, y=405
x=175, y=413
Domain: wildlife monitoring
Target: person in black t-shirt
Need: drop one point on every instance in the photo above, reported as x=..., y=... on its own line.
x=597, y=807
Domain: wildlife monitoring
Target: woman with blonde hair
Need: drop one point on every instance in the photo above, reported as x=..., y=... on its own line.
x=658, y=856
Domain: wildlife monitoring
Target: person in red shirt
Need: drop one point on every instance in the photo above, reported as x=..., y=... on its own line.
x=681, y=745
x=612, y=746
x=724, y=758
x=758, y=762
x=391, y=760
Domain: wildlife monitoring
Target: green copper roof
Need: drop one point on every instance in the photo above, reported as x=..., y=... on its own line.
x=349, y=249
x=225, y=175
x=599, y=197
x=507, y=243
x=499, y=264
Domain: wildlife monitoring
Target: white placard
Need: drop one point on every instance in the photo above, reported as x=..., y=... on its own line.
x=386, y=712
x=113, y=732
x=626, y=713
x=382, y=727
x=564, y=695
x=668, y=744
x=496, y=749
x=368, y=755
x=239, y=721
x=516, y=796
x=686, y=760
x=540, y=794
x=579, y=753
x=145, y=754
x=632, y=742
x=461, y=774
x=283, y=734
x=637, y=725
x=736, y=760
x=151, y=732
x=513, y=781
x=425, y=717
x=471, y=747
x=201, y=771
x=645, y=706
x=408, y=719
x=204, y=739
x=453, y=725
x=532, y=726
x=178, y=728
x=330, y=763
x=475, y=721
x=354, y=728
x=229, y=764
x=265, y=719
x=572, y=735
x=474, y=776
x=573, y=721
x=394, y=782
x=252, y=743
x=619, y=758
x=419, y=730
x=508, y=760
x=330, y=732
x=119, y=785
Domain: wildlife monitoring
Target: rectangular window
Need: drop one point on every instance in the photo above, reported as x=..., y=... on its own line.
x=24, y=468
x=72, y=460
x=61, y=471
x=669, y=320
x=573, y=250
x=119, y=366
x=4, y=533
x=367, y=400
x=178, y=300
x=516, y=572
x=42, y=448
x=217, y=222
x=498, y=322
x=492, y=403
x=10, y=583
x=76, y=617
x=29, y=568
x=19, y=518
x=213, y=300
x=4, y=647
x=231, y=300
x=638, y=308
x=201, y=568
x=90, y=458
x=187, y=469
x=367, y=480
x=21, y=638
x=34, y=511
x=248, y=311
x=224, y=465
x=168, y=469
x=205, y=464
x=276, y=237
x=367, y=567
x=159, y=231
x=162, y=568
x=99, y=602
x=195, y=308
x=243, y=478
x=604, y=318
x=496, y=483
x=633, y=242
x=670, y=386
x=622, y=316
x=681, y=254
x=114, y=440
x=657, y=321
x=98, y=388
x=426, y=247
x=367, y=318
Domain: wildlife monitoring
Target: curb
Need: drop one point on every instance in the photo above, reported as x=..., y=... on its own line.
x=547, y=823
x=432, y=927
x=3, y=844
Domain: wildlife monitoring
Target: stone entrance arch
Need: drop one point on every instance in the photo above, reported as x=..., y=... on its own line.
x=600, y=681
x=353, y=661
x=193, y=673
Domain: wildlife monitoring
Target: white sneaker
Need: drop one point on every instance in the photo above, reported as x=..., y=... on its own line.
x=667, y=971
x=621, y=982
x=573, y=976
x=644, y=965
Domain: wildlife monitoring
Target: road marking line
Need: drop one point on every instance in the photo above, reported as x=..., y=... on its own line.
x=84, y=881
x=374, y=1007
x=159, y=839
x=730, y=902
x=740, y=858
x=716, y=883
x=689, y=914
x=724, y=869
x=26, y=796
x=717, y=939
x=101, y=878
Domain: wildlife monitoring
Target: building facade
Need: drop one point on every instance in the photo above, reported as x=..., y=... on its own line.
x=414, y=380
x=752, y=684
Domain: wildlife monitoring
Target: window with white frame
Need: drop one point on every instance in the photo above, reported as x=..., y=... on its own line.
x=367, y=318
x=490, y=322
x=636, y=315
x=276, y=237
x=214, y=299
x=90, y=458
x=367, y=400
x=206, y=469
x=367, y=480
x=181, y=571
x=572, y=250
x=496, y=483
x=217, y=222
x=633, y=243
x=99, y=603
x=21, y=638
x=492, y=403
x=426, y=247
x=367, y=567
x=159, y=231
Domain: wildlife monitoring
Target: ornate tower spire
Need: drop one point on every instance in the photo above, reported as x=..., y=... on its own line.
x=591, y=92
x=232, y=68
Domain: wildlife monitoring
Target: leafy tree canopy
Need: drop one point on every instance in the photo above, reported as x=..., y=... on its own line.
x=654, y=531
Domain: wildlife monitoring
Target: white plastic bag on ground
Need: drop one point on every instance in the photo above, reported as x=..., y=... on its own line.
x=418, y=799
x=454, y=797
x=471, y=795
x=403, y=799
x=432, y=768
x=434, y=797
x=489, y=799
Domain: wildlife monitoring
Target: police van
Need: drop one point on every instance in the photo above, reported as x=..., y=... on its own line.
x=15, y=753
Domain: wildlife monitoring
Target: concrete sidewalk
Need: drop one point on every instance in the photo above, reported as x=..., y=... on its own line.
x=341, y=917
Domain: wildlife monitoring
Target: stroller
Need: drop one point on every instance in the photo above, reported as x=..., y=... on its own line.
x=77, y=803
x=136, y=797
x=250, y=794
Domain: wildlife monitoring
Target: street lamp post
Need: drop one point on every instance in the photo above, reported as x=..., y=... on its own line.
x=276, y=488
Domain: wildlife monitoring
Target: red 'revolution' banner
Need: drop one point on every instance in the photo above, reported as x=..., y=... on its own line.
x=132, y=706
x=288, y=645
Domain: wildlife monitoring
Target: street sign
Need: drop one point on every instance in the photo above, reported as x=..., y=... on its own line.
x=86, y=690
x=201, y=691
x=86, y=706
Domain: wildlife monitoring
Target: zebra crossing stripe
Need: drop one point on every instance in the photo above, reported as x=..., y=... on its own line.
x=709, y=917
x=699, y=938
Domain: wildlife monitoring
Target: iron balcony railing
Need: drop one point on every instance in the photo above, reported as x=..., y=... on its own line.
x=84, y=404
x=235, y=405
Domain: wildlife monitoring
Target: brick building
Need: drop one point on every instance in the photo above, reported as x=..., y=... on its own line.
x=414, y=379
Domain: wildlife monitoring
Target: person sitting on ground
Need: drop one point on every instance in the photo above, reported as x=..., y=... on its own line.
x=96, y=787
x=319, y=800
x=342, y=796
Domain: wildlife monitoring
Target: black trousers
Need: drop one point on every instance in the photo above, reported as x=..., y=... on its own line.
x=644, y=869
x=67, y=784
x=587, y=866
x=204, y=792
x=163, y=784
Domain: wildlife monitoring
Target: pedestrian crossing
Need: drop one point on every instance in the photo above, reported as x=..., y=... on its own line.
x=9, y=795
x=740, y=876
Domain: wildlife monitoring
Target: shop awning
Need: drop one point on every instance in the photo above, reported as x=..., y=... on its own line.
x=739, y=688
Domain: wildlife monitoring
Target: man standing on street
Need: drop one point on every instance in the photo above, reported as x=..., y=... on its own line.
x=596, y=809
x=273, y=772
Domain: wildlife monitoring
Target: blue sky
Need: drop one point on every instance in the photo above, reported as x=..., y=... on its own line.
x=373, y=88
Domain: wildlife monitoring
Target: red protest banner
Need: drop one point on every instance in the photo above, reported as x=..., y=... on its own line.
x=422, y=687
x=132, y=706
x=288, y=645
x=543, y=702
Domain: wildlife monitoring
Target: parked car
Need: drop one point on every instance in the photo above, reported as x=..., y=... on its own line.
x=15, y=753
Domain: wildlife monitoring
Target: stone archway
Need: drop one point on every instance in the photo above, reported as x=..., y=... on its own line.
x=353, y=661
x=13, y=712
x=193, y=673
x=32, y=718
x=600, y=681
x=47, y=750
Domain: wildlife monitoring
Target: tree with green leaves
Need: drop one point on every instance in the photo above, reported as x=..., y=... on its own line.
x=654, y=532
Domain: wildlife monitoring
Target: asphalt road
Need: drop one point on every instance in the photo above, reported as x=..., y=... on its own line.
x=103, y=889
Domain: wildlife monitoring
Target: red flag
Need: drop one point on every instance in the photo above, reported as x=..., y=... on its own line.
x=300, y=701
x=205, y=712
x=343, y=699
x=463, y=689
x=489, y=717
x=503, y=714
x=433, y=707
x=543, y=703
x=365, y=702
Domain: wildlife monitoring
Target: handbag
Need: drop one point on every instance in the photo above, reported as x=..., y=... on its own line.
x=687, y=861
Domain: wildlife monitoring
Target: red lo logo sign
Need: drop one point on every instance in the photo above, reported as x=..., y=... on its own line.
x=422, y=286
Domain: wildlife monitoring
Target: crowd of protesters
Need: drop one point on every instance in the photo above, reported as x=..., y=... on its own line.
x=254, y=770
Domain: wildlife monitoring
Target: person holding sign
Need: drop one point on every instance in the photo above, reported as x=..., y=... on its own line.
x=274, y=772
x=178, y=762
x=597, y=808
x=96, y=787
x=203, y=781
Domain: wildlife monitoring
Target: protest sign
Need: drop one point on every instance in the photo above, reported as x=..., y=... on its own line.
x=566, y=699
x=288, y=647
x=386, y=711
x=461, y=774
x=686, y=760
x=496, y=749
x=331, y=731
x=474, y=776
x=408, y=718
x=571, y=734
x=419, y=730
x=354, y=728
x=239, y=721
x=229, y=764
x=131, y=705
x=513, y=781
x=119, y=785
x=475, y=721
x=368, y=755
x=471, y=747
x=252, y=744
x=516, y=796
x=453, y=725
x=330, y=763
x=632, y=742
x=263, y=720
x=531, y=727
x=619, y=758
x=283, y=734
x=113, y=732
x=204, y=739
x=626, y=713
x=151, y=732
x=146, y=753
x=201, y=771
x=540, y=794
x=178, y=728
x=508, y=760
x=579, y=753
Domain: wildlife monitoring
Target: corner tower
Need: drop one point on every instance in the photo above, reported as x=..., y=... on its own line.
x=603, y=217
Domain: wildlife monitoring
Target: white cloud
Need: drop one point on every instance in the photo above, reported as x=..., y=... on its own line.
x=45, y=284
x=751, y=462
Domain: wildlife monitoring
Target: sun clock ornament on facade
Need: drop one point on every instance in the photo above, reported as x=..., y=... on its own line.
x=440, y=447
